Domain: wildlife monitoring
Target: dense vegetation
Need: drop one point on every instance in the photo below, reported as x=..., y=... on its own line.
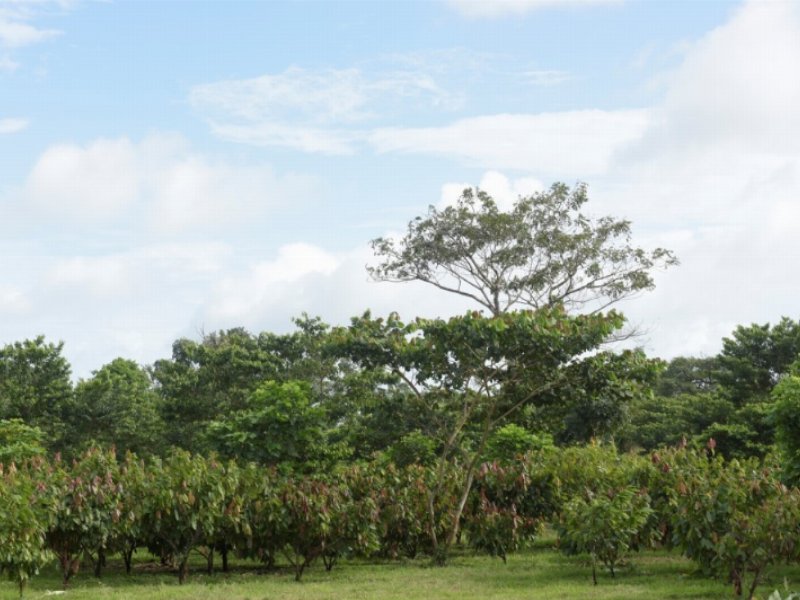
x=396, y=438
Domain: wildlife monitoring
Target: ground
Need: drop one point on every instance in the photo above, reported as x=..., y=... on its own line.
x=539, y=573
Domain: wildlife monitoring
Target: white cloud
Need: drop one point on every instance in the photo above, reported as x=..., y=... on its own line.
x=505, y=8
x=546, y=78
x=9, y=125
x=721, y=160
x=98, y=276
x=309, y=110
x=503, y=190
x=16, y=34
x=86, y=182
x=123, y=274
x=307, y=139
x=554, y=144
x=19, y=26
x=159, y=180
x=270, y=284
x=8, y=65
x=12, y=300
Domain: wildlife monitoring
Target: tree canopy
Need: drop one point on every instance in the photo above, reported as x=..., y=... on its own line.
x=542, y=252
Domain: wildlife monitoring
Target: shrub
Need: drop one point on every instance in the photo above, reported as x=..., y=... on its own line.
x=606, y=525
x=26, y=507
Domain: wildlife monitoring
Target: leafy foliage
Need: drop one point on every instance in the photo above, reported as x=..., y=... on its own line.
x=606, y=525
x=543, y=252
x=19, y=442
x=279, y=425
x=116, y=407
x=35, y=386
x=88, y=506
x=497, y=521
x=25, y=513
x=754, y=358
x=786, y=417
x=186, y=502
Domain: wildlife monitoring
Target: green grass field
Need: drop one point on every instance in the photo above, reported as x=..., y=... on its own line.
x=537, y=573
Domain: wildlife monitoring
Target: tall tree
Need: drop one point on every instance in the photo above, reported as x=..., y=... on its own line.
x=472, y=373
x=542, y=252
x=208, y=378
x=755, y=357
x=687, y=375
x=117, y=406
x=35, y=385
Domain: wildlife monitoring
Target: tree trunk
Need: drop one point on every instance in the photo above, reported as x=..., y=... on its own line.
x=329, y=560
x=224, y=552
x=22, y=583
x=100, y=562
x=210, y=561
x=69, y=566
x=127, y=556
x=298, y=570
x=183, y=569
x=752, y=591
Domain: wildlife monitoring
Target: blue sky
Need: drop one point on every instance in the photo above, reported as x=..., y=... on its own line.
x=177, y=167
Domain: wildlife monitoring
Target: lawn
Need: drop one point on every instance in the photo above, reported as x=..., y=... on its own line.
x=537, y=573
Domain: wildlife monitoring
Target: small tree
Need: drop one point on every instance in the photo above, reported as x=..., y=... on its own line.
x=606, y=525
x=186, y=497
x=757, y=539
x=87, y=510
x=25, y=506
x=321, y=519
x=496, y=520
x=129, y=531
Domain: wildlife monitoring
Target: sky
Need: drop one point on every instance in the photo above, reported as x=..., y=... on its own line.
x=174, y=168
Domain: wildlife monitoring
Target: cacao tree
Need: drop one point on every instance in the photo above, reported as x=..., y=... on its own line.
x=26, y=509
x=606, y=525
x=186, y=498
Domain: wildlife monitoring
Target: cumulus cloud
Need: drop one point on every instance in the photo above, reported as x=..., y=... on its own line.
x=506, y=8
x=270, y=284
x=159, y=179
x=720, y=163
x=503, y=190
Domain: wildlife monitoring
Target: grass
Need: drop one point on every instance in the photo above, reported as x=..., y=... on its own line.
x=539, y=573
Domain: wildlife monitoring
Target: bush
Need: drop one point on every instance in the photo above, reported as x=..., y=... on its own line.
x=606, y=525
x=496, y=521
x=26, y=509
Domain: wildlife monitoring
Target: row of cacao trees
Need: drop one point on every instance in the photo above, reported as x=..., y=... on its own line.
x=734, y=518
